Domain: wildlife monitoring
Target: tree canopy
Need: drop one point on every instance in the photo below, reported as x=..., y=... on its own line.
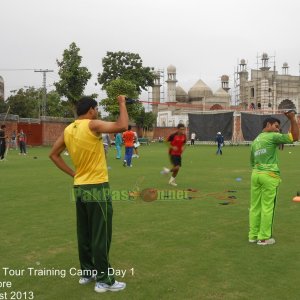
x=127, y=66
x=73, y=77
x=120, y=87
x=27, y=104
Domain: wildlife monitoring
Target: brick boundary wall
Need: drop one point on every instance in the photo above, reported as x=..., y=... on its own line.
x=46, y=132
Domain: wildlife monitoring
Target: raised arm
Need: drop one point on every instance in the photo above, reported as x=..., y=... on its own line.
x=99, y=126
x=294, y=125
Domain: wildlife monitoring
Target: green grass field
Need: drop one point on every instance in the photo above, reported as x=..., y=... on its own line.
x=176, y=249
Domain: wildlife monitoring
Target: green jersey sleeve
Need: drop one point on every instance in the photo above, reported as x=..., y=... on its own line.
x=279, y=138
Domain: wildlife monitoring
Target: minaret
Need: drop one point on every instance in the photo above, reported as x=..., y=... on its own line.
x=225, y=83
x=285, y=69
x=264, y=82
x=243, y=76
x=171, y=82
x=156, y=91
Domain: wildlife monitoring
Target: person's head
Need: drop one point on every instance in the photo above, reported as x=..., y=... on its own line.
x=271, y=124
x=87, y=106
x=129, y=127
x=3, y=126
x=180, y=128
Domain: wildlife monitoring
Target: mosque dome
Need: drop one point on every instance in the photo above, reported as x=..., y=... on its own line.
x=171, y=69
x=243, y=62
x=265, y=56
x=181, y=94
x=285, y=65
x=221, y=93
x=199, y=91
x=224, y=78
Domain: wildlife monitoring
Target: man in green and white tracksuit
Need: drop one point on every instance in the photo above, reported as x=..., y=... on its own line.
x=265, y=177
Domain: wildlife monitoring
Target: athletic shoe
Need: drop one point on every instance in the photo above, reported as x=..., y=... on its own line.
x=165, y=171
x=270, y=241
x=252, y=241
x=124, y=163
x=103, y=287
x=172, y=182
x=85, y=280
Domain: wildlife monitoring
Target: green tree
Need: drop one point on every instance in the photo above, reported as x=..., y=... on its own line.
x=127, y=66
x=120, y=87
x=73, y=78
x=25, y=102
x=145, y=120
x=3, y=106
x=55, y=107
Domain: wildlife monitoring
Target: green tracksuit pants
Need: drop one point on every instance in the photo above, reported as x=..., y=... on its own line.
x=264, y=188
x=94, y=229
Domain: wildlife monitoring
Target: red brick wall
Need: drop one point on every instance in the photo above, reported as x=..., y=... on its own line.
x=46, y=133
x=33, y=133
x=52, y=130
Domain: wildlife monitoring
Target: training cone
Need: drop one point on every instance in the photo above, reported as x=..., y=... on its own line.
x=296, y=199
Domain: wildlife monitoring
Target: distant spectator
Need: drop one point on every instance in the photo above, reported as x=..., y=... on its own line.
x=118, y=143
x=13, y=140
x=220, y=140
x=22, y=142
x=3, y=138
x=193, y=136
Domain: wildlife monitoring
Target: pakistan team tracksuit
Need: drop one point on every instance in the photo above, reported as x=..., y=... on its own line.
x=93, y=200
x=265, y=180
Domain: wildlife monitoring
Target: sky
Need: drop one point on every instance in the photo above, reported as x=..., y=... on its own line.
x=203, y=39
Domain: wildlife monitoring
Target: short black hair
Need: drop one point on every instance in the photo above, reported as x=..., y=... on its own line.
x=129, y=127
x=180, y=125
x=84, y=104
x=3, y=126
x=270, y=120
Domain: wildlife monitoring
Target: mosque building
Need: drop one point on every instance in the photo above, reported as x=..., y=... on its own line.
x=179, y=103
x=266, y=90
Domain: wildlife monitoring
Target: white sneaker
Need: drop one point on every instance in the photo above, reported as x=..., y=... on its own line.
x=103, y=287
x=124, y=163
x=252, y=241
x=165, y=171
x=172, y=182
x=270, y=241
x=86, y=280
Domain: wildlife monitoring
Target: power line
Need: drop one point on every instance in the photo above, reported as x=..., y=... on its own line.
x=17, y=69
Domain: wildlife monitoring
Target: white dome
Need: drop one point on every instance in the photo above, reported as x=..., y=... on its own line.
x=200, y=90
x=285, y=65
x=171, y=69
x=221, y=93
x=243, y=62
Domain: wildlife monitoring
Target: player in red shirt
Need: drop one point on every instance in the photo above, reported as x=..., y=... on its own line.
x=177, y=142
x=128, y=139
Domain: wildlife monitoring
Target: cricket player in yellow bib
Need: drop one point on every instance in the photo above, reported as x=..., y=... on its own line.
x=82, y=138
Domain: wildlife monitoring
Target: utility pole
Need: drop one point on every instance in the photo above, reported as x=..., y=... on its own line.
x=44, y=102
